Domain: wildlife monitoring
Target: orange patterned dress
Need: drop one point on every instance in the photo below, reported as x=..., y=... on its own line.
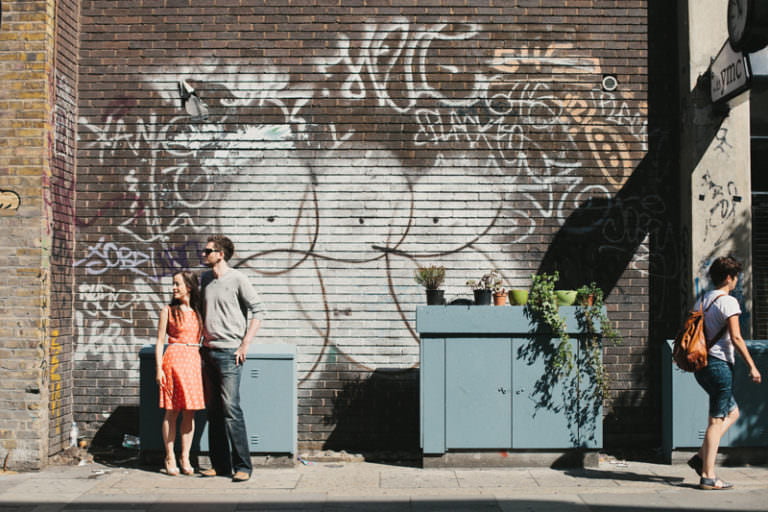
x=182, y=365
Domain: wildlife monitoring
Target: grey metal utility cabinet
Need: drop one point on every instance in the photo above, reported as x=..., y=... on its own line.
x=685, y=406
x=485, y=383
x=268, y=397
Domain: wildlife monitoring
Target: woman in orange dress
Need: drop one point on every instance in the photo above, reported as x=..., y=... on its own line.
x=179, y=369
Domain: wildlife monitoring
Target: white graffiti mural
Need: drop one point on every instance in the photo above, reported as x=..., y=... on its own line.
x=323, y=207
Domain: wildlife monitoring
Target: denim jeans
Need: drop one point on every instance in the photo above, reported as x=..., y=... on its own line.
x=228, y=445
x=717, y=380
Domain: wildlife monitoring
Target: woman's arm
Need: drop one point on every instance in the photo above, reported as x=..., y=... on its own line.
x=160, y=345
x=735, y=331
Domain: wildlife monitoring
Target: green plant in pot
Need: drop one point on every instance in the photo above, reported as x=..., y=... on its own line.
x=591, y=304
x=591, y=314
x=483, y=289
x=566, y=297
x=518, y=296
x=499, y=294
x=432, y=278
x=543, y=304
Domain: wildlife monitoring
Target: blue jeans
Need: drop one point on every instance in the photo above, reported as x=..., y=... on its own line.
x=717, y=380
x=228, y=445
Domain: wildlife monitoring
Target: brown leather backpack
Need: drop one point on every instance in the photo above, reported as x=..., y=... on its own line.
x=691, y=346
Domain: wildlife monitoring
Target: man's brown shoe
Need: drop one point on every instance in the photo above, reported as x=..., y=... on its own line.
x=208, y=472
x=241, y=476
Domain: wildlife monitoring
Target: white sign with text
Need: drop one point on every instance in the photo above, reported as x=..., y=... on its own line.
x=729, y=74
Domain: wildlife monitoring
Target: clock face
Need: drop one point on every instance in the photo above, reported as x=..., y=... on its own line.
x=738, y=11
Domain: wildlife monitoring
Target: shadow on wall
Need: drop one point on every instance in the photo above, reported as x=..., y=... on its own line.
x=124, y=420
x=107, y=444
x=600, y=238
x=739, y=237
x=376, y=414
x=622, y=418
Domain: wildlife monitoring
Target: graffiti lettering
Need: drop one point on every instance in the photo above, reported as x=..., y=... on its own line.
x=101, y=301
x=106, y=256
x=720, y=205
x=9, y=202
x=396, y=54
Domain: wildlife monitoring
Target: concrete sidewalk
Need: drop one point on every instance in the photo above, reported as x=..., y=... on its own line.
x=612, y=486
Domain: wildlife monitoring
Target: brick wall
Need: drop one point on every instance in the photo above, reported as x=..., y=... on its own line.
x=340, y=145
x=25, y=60
x=61, y=203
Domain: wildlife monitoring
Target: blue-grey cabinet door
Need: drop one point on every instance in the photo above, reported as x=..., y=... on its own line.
x=432, y=394
x=752, y=427
x=590, y=407
x=545, y=413
x=266, y=394
x=478, y=400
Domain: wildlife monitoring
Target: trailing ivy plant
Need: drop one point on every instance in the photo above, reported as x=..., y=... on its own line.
x=542, y=303
x=591, y=313
x=593, y=320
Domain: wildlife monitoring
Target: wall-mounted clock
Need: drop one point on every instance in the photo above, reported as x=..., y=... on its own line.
x=748, y=24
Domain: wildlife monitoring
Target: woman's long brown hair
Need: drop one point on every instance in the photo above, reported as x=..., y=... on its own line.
x=195, y=299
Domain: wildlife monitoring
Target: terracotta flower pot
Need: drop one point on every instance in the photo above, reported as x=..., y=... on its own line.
x=499, y=299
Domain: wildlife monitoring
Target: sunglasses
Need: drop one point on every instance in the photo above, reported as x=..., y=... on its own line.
x=207, y=251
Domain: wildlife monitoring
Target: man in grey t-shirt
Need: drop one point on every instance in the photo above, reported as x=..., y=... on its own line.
x=233, y=314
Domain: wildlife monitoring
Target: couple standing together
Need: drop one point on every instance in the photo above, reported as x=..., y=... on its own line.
x=226, y=312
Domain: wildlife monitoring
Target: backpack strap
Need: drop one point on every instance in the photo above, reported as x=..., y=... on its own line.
x=722, y=330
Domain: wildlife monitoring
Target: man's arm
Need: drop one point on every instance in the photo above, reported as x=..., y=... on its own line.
x=242, y=350
x=249, y=296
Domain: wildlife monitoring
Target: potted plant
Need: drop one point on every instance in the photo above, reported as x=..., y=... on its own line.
x=499, y=295
x=566, y=297
x=593, y=318
x=543, y=304
x=483, y=288
x=518, y=296
x=586, y=294
x=431, y=278
x=591, y=303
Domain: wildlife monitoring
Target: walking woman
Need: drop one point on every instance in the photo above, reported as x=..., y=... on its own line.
x=721, y=329
x=179, y=370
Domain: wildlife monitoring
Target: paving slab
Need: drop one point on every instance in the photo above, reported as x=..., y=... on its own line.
x=734, y=499
x=328, y=478
x=415, y=478
x=520, y=478
x=547, y=478
x=649, y=501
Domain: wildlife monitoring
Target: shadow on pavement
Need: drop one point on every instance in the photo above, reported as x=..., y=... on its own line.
x=254, y=504
x=597, y=474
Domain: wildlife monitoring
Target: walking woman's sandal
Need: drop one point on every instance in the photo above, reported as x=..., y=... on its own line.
x=714, y=484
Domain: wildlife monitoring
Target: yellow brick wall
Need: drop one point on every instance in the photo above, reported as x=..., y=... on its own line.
x=26, y=49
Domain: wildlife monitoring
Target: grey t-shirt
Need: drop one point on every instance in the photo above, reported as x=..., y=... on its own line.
x=226, y=304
